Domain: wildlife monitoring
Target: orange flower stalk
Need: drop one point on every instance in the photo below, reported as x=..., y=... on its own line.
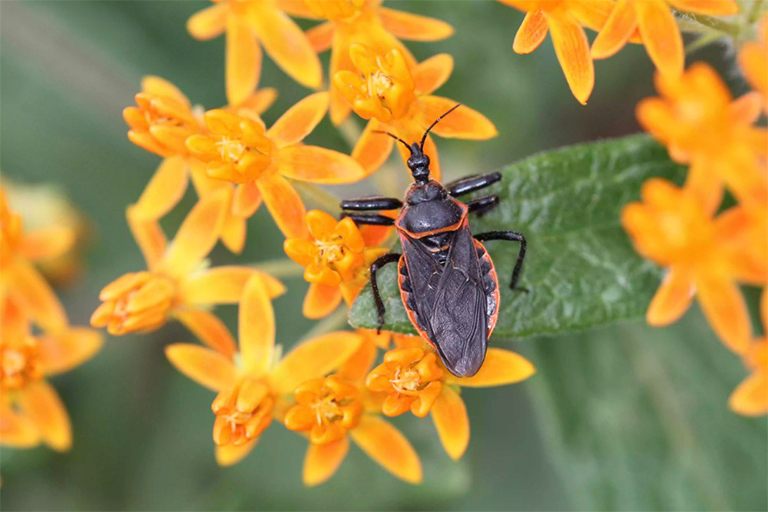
x=750, y=398
x=700, y=124
x=177, y=283
x=675, y=230
x=252, y=381
x=384, y=90
x=333, y=409
x=30, y=409
x=563, y=19
x=250, y=25
x=363, y=22
x=261, y=161
x=753, y=59
x=161, y=123
x=336, y=262
x=414, y=380
x=657, y=27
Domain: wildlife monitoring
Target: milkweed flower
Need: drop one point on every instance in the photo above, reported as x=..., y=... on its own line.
x=261, y=161
x=563, y=20
x=671, y=227
x=177, y=283
x=384, y=90
x=335, y=260
x=363, y=22
x=160, y=122
x=414, y=380
x=750, y=398
x=249, y=25
x=701, y=125
x=658, y=29
x=753, y=59
x=252, y=382
x=30, y=409
x=334, y=409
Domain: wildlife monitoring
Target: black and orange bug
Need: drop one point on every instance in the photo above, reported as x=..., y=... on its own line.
x=447, y=280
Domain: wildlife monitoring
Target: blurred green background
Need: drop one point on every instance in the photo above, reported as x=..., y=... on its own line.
x=625, y=417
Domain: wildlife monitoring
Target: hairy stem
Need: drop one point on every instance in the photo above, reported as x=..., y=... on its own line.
x=319, y=196
x=280, y=268
x=333, y=322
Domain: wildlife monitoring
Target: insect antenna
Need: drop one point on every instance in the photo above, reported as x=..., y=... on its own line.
x=424, y=138
x=394, y=137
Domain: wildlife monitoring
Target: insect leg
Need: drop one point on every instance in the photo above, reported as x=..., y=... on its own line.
x=375, y=266
x=369, y=218
x=483, y=205
x=371, y=203
x=513, y=237
x=472, y=183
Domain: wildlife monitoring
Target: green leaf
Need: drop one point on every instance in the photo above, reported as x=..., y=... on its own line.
x=581, y=269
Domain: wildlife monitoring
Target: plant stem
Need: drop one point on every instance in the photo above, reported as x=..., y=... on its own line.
x=333, y=322
x=702, y=23
x=280, y=268
x=322, y=198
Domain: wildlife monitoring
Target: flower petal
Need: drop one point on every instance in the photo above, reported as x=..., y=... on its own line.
x=388, y=447
x=225, y=285
x=299, y=120
x=372, y=149
x=41, y=404
x=432, y=73
x=198, y=233
x=413, y=27
x=149, y=237
x=359, y=364
x=233, y=233
x=620, y=26
x=158, y=86
x=164, y=190
x=711, y=7
x=531, y=33
x=322, y=461
x=452, y=422
x=321, y=301
x=500, y=367
x=208, y=23
x=17, y=430
x=207, y=328
x=243, y=61
x=48, y=242
x=319, y=165
x=67, y=349
x=661, y=36
x=229, y=454
x=35, y=295
x=672, y=299
x=203, y=365
x=750, y=398
x=572, y=49
x=725, y=309
x=256, y=326
x=314, y=358
x=285, y=42
x=285, y=205
x=462, y=123
x=321, y=36
x=247, y=200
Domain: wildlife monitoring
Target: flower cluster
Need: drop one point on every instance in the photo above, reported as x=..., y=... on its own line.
x=707, y=251
x=36, y=338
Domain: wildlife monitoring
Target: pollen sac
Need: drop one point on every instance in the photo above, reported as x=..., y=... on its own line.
x=412, y=379
x=137, y=301
x=326, y=408
x=242, y=412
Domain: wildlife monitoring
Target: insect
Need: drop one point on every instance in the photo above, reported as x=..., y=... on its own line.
x=447, y=280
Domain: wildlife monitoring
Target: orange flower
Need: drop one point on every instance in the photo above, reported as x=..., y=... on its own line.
x=657, y=27
x=363, y=22
x=330, y=408
x=414, y=379
x=674, y=229
x=701, y=125
x=753, y=59
x=177, y=283
x=336, y=262
x=248, y=26
x=30, y=409
x=384, y=90
x=563, y=19
x=161, y=124
x=750, y=398
x=241, y=150
x=251, y=381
